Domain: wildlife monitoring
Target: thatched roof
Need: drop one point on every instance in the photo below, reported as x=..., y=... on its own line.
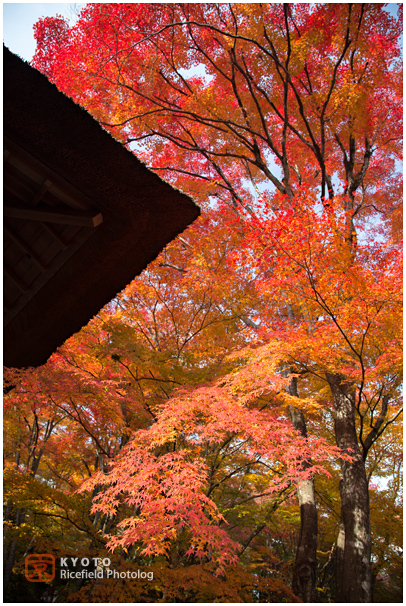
x=82, y=216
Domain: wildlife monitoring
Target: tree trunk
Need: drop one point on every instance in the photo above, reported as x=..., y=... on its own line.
x=304, y=572
x=10, y=545
x=8, y=562
x=354, y=579
x=340, y=557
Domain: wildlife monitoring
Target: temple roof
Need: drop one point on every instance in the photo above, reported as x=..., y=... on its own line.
x=82, y=215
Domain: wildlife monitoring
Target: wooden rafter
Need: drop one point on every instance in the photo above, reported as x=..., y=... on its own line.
x=19, y=283
x=66, y=215
x=54, y=234
x=41, y=192
x=23, y=245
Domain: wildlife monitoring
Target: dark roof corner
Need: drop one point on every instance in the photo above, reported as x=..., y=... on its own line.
x=82, y=215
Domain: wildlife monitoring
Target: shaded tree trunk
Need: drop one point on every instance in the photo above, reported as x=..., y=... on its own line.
x=9, y=555
x=304, y=578
x=304, y=572
x=340, y=557
x=10, y=544
x=354, y=579
x=33, y=460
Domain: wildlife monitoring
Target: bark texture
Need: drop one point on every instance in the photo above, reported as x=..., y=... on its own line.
x=354, y=579
x=304, y=572
x=304, y=578
x=10, y=544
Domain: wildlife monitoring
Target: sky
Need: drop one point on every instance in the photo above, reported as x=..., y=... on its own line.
x=19, y=18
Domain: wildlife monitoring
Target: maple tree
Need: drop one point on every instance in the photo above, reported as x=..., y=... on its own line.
x=283, y=122
x=101, y=379
x=111, y=379
x=347, y=329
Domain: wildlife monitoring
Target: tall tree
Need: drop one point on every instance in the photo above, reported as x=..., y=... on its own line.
x=173, y=326
x=310, y=96
x=346, y=334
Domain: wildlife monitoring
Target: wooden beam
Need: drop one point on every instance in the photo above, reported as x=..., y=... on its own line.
x=48, y=214
x=31, y=254
x=54, y=234
x=44, y=188
x=19, y=283
x=37, y=171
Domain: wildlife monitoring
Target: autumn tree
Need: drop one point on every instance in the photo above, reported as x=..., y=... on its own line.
x=174, y=325
x=297, y=108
